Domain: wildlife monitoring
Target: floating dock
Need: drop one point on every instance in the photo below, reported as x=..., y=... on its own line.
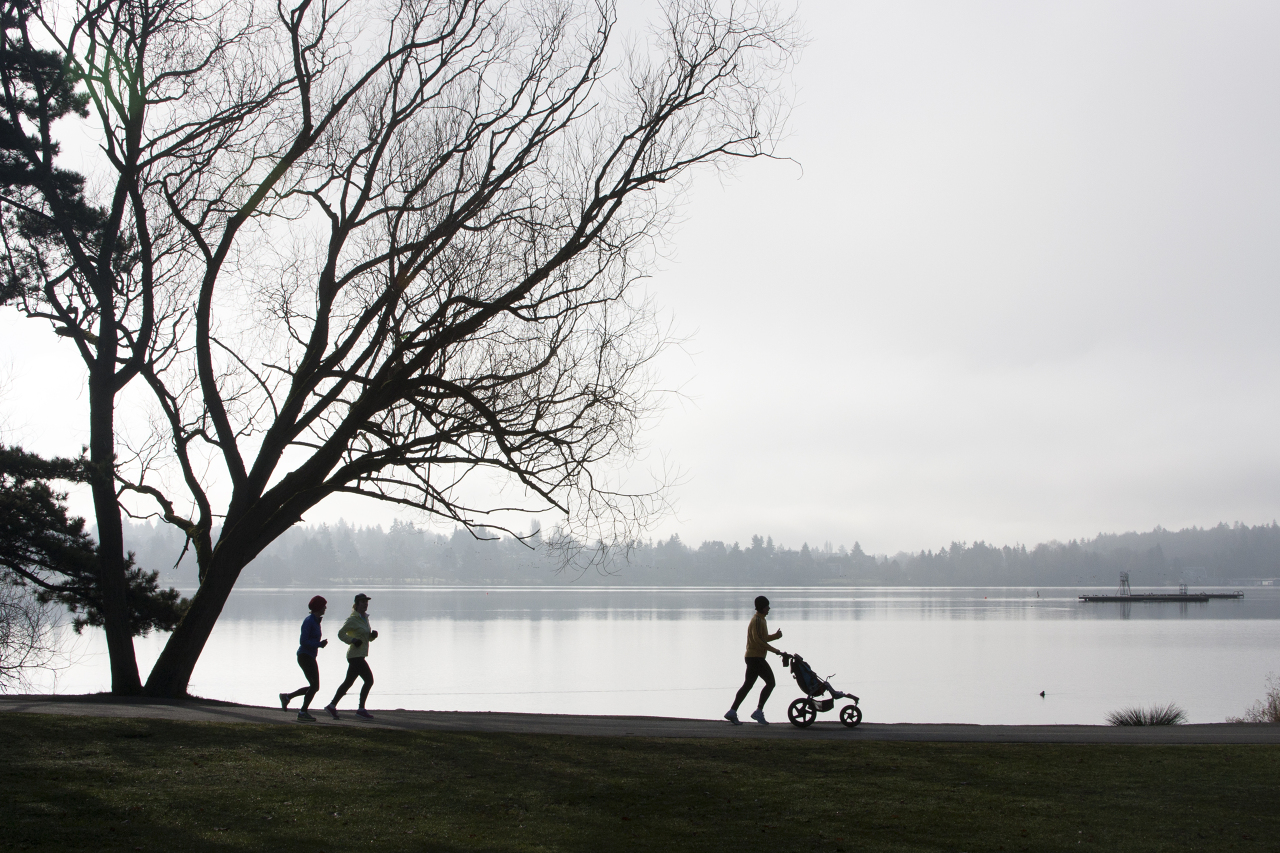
x=1155, y=596
x=1127, y=596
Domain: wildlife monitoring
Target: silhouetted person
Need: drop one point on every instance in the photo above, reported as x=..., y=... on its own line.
x=758, y=638
x=309, y=644
x=355, y=632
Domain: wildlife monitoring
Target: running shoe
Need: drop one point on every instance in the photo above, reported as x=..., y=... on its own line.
x=284, y=701
x=363, y=714
x=332, y=711
x=732, y=716
x=758, y=716
x=304, y=717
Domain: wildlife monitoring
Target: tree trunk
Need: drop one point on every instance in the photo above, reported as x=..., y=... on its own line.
x=172, y=671
x=112, y=582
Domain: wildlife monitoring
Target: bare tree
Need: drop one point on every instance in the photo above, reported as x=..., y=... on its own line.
x=28, y=640
x=90, y=270
x=395, y=248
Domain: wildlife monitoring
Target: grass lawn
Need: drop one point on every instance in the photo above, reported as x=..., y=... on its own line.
x=73, y=783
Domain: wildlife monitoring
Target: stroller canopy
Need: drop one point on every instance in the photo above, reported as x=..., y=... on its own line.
x=808, y=680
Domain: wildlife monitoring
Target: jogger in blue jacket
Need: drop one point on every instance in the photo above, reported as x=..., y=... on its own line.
x=309, y=644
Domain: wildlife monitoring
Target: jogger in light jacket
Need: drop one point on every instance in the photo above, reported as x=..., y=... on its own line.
x=357, y=634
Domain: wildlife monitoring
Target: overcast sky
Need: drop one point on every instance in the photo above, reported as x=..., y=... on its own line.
x=1020, y=285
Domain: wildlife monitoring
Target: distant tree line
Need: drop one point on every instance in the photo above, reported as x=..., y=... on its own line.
x=323, y=555
x=1223, y=554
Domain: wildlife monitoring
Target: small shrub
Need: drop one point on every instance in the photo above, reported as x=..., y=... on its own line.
x=1265, y=710
x=1156, y=715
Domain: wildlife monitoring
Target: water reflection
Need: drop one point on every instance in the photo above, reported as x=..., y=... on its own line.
x=538, y=603
x=914, y=655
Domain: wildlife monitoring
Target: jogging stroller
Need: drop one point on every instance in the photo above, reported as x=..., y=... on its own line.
x=804, y=711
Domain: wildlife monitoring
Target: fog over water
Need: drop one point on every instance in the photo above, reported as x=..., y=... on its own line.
x=912, y=655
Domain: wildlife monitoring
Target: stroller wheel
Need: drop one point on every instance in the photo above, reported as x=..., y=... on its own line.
x=850, y=715
x=802, y=713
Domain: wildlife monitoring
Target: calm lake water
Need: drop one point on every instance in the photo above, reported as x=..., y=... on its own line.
x=912, y=655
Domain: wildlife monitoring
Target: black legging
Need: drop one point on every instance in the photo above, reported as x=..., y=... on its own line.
x=756, y=668
x=312, y=671
x=357, y=667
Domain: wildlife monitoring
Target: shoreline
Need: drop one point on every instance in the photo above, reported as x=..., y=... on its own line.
x=216, y=711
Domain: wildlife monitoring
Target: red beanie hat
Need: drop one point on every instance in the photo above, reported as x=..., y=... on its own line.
x=315, y=602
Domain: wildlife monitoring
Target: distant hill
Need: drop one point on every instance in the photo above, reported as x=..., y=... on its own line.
x=324, y=555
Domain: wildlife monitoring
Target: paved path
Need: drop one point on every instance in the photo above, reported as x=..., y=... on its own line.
x=667, y=727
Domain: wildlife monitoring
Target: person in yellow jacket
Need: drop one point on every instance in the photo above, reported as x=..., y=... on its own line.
x=357, y=634
x=758, y=638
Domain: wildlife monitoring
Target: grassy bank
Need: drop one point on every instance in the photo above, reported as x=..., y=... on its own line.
x=101, y=784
